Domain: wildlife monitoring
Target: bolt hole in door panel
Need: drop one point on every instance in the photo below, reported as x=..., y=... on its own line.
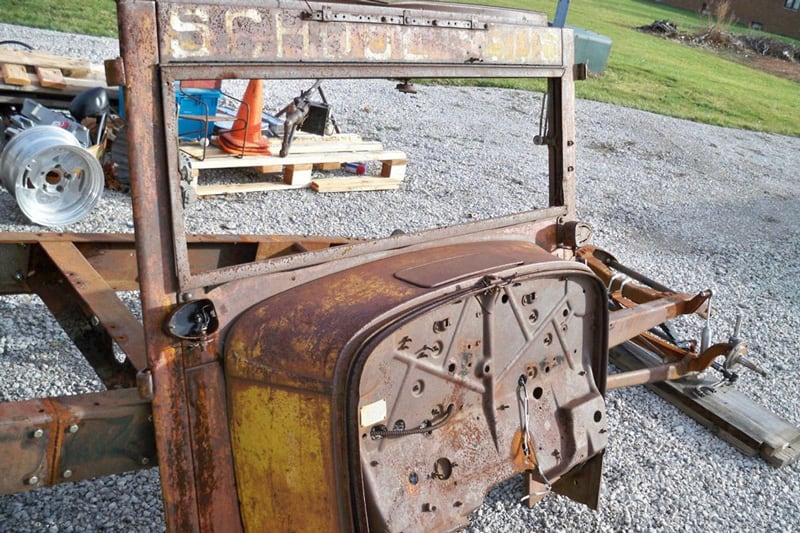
x=395, y=394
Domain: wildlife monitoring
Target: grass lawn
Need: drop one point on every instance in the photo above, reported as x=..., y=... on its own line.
x=669, y=78
x=90, y=17
x=644, y=71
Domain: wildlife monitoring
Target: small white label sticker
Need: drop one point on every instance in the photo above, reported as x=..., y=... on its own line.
x=373, y=413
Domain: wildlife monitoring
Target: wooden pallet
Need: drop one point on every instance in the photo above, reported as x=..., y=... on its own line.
x=307, y=153
x=24, y=73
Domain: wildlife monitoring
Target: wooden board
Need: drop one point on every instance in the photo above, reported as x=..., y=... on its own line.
x=302, y=145
x=362, y=183
x=47, y=77
x=72, y=86
x=328, y=166
x=231, y=188
x=14, y=74
x=72, y=67
x=216, y=158
x=50, y=77
x=394, y=168
x=79, y=84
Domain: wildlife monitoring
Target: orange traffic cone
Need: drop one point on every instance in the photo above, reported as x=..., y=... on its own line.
x=245, y=137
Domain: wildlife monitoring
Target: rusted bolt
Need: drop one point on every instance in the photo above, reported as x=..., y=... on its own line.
x=19, y=276
x=94, y=321
x=33, y=480
x=73, y=428
x=67, y=474
x=38, y=434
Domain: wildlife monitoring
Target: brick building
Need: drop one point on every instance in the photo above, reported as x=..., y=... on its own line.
x=775, y=16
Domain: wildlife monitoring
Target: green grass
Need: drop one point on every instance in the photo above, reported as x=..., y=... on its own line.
x=650, y=73
x=644, y=71
x=90, y=17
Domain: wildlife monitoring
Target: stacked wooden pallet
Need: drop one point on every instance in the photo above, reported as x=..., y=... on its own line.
x=308, y=152
x=38, y=74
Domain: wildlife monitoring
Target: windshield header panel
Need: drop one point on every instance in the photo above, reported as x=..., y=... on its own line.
x=416, y=33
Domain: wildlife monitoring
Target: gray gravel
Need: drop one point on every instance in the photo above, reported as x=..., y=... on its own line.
x=692, y=205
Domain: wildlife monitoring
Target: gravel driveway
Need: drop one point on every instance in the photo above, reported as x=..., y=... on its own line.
x=691, y=205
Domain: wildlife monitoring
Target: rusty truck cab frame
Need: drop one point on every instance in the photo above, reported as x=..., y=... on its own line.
x=165, y=42
x=232, y=340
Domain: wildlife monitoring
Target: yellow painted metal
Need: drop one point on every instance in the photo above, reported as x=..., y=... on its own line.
x=284, y=469
x=285, y=398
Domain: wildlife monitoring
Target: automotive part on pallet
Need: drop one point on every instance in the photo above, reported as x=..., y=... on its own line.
x=390, y=381
x=297, y=111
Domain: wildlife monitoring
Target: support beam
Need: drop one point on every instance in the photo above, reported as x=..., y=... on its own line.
x=100, y=299
x=49, y=441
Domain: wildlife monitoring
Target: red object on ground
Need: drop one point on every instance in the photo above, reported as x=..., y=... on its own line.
x=356, y=168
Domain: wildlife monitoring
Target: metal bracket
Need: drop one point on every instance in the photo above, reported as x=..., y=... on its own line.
x=327, y=14
x=115, y=71
x=575, y=234
x=144, y=384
